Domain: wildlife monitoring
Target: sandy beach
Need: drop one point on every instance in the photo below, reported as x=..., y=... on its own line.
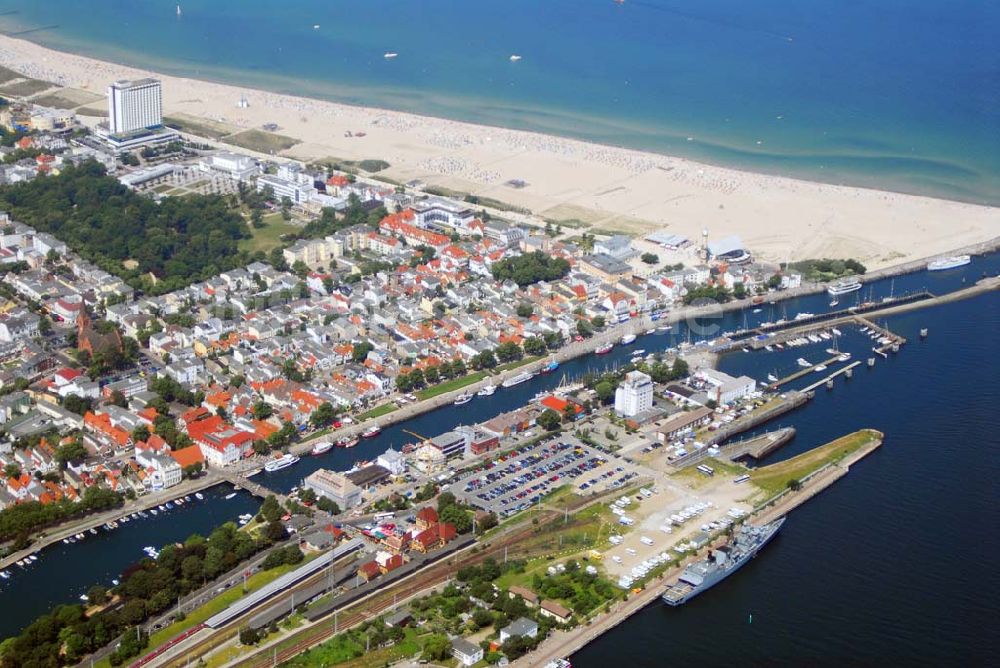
x=609, y=188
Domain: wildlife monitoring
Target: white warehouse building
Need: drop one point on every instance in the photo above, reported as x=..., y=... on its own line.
x=634, y=395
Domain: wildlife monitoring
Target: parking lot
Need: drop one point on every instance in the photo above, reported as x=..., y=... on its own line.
x=521, y=478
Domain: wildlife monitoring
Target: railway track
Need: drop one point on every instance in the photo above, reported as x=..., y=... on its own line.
x=430, y=577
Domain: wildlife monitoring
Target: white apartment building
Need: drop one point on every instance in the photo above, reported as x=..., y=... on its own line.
x=134, y=105
x=635, y=395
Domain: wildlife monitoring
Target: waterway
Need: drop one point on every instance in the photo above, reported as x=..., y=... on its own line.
x=933, y=400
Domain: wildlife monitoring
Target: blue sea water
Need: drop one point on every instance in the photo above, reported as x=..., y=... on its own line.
x=894, y=94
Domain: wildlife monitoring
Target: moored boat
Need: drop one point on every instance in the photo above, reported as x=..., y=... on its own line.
x=322, y=447
x=372, y=431
x=721, y=563
x=843, y=286
x=950, y=262
x=347, y=442
x=602, y=350
x=282, y=462
x=487, y=390
x=463, y=398
x=522, y=377
x=627, y=339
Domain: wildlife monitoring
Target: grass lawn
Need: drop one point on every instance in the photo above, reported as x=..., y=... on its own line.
x=67, y=98
x=8, y=75
x=202, y=127
x=691, y=477
x=449, y=385
x=261, y=142
x=96, y=112
x=26, y=88
x=516, y=363
x=378, y=411
x=775, y=477
x=269, y=236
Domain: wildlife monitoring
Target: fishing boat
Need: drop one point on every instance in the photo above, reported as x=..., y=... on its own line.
x=199, y=496
x=282, y=462
x=627, y=339
x=602, y=350
x=551, y=366
x=463, y=398
x=772, y=378
x=322, y=447
x=372, y=431
x=487, y=390
x=347, y=442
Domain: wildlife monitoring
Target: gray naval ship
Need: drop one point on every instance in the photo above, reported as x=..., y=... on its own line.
x=723, y=562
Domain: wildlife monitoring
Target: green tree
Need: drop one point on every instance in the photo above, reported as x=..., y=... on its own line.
x=549, y=420
x=324, y=415
x=605, y=391
x=270, y=509
x=650, y=258
x=436, y=647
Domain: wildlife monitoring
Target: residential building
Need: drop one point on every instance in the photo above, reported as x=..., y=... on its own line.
x=555, y=610
x=520, y=627
x=466, y=652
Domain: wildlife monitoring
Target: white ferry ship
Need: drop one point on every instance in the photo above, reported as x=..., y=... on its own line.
x=951, y=262
x=522, y=377
x=282, y=462
x=842, y=287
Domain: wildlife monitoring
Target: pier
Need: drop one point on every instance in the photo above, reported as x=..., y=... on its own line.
x=830, y=378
